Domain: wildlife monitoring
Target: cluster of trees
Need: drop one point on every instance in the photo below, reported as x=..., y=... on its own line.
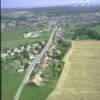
x=85, y=33
x=57, y=69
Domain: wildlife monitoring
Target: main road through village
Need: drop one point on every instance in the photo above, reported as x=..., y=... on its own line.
x=33, y=64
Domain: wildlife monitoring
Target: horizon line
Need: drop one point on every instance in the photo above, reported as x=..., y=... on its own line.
x=49, y=6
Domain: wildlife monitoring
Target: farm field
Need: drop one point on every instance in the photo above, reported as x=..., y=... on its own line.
x=10, y=80
x=14, y=38
x=80, y=78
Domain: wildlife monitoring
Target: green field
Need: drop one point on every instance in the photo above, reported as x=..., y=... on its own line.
x=10, y=80
x=14, y=38
x=80, y=79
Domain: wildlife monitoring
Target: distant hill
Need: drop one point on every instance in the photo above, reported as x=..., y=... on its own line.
x=56, y=9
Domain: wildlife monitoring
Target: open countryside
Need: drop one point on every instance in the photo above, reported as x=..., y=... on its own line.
x=80, y=78
x=50, y=53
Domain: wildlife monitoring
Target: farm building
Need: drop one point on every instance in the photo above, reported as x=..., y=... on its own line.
x=31, y=34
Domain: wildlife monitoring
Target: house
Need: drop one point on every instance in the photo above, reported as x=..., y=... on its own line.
x=31, y=56
x=4, y=55
x=43, y=64
x=31, y=34
x=52, y=47
x=29, y=46
x=22, y=48
x=28, y=49
x=35, y=51
x=8, y=51
x=46, y=58
x=12, y=54
x=58, y=51
x=35, y=34
x=17, y=50
x=20, y=69
x=43, y=42
x=34, y=45
x=27, y=35
x=37, y=79
x=59, y=29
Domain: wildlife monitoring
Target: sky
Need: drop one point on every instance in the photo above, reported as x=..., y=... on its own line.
x=41, y=3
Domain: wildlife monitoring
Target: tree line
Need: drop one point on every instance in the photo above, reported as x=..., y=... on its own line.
x=85, y=33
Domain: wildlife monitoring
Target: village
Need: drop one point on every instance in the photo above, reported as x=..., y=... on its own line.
x=23, y=56
x=44, y=18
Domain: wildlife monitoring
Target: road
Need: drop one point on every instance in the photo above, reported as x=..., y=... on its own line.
x=33, y=64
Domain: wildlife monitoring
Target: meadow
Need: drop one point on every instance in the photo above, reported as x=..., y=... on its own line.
x=14, y=38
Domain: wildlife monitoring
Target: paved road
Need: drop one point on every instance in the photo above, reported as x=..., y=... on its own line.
x=32, y=66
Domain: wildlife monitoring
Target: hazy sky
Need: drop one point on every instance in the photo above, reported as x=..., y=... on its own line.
x=40, y=3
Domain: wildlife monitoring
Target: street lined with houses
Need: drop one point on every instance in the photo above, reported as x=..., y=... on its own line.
x=35, y=61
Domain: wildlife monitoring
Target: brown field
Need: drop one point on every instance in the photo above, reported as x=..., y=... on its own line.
x=80, y=79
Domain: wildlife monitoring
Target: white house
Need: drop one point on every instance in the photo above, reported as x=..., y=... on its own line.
x=31, y=56
x=27, y=35
x=27, y=49
x=22, y=48
x=35, y=34
x=43, y=42
x=20, y=69
x=29, y=46
x=9, y=51
x=31, y=34
x=35, y=51
x=46, y=58
x=58, y=51
x=12, y=54
x=4, y=55
x=36, y=44
x=17, y=50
